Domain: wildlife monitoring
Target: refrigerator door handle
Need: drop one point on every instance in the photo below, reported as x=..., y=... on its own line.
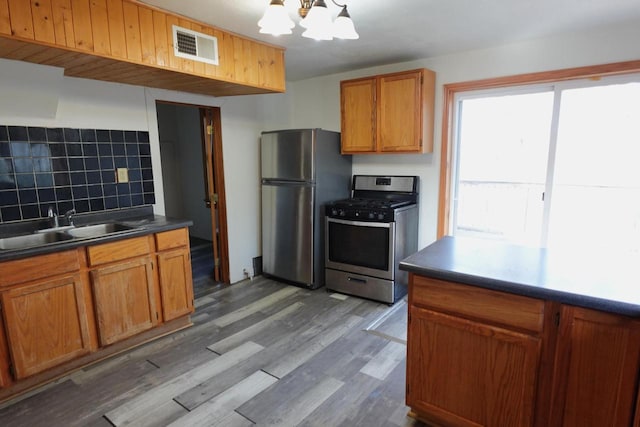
x=267, y=181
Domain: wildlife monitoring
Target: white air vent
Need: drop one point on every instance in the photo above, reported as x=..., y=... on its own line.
x=196, y=46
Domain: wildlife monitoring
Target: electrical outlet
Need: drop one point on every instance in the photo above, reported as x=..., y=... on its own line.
x=122, y=175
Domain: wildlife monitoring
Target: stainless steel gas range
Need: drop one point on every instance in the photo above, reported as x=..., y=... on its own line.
x=368, y=234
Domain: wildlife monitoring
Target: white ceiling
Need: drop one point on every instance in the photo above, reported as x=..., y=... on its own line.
x=403, y=30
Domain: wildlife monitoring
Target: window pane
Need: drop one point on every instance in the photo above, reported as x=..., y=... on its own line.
x=502, y=165
x=596, y=194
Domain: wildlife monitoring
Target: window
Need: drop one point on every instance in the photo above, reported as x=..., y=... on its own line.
x=550, y=164
x=596, y=185
x=501, y=158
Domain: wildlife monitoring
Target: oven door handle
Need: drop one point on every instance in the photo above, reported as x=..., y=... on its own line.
x=360, y=223
x=356, y=279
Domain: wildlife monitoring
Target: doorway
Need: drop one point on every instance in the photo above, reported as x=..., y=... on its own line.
x=193, y=181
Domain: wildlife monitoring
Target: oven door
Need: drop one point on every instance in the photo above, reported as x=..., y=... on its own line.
x=360, y=247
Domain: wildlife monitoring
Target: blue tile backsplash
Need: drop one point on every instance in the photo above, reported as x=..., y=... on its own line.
x=66, y=168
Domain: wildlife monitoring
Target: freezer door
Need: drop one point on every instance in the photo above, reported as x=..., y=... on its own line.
x=287, y=232
x=288, y=155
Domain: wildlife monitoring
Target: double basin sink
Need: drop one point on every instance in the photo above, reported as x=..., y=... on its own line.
x=61, y=234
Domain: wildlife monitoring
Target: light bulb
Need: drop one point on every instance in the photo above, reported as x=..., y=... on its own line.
x=343, y=27
x=276, y=20
x=318, y=22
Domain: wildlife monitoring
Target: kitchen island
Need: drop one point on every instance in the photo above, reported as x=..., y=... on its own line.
x=507, y=335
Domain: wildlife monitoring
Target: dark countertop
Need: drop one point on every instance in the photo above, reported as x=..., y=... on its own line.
x=142, y=220
x=582, y=276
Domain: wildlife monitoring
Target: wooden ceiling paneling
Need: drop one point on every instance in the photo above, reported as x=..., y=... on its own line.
x=125, y=41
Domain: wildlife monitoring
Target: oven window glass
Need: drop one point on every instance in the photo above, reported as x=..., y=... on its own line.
x=359, y=245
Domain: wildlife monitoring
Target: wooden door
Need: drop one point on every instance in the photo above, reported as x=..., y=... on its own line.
x=215, y=198
x=466, y=373
x=596, y=369
x=176, y=287
x=211, y=199
x=124, y=299
x=358, y=116
x=46, y=323
x=400, y=112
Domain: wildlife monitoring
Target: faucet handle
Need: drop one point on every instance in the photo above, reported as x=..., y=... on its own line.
x=68, y=215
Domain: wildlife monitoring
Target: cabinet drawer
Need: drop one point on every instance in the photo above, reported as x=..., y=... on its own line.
x=172, y=239
x=38, y=267
x=500, y=308
x=116, y=251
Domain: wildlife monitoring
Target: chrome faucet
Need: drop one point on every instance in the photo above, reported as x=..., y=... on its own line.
x=54, y=216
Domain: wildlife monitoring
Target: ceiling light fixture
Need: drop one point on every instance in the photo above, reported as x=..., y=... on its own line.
x=316, y=19
x=276, y=20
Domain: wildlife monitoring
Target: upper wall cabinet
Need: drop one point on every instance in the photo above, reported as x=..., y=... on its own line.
x=390, y=113
x=126, y=41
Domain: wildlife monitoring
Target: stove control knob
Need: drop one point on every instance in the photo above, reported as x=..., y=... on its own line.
x=371, y=215
x=357, y=214
x=341, y=212
x=334, y=212
x=380, y=216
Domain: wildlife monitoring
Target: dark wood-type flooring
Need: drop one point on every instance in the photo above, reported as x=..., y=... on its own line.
x=260, y=352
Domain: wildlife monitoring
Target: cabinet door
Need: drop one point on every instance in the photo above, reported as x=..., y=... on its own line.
x=5, y=377
x=466, y=373
x=358, y=113
x=124, y=299
x=596, y=369
x=46, y=323
x=400, y=112
x=176, y=287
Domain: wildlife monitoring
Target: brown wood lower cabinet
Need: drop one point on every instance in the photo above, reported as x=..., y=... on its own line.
x=176, y=287
x=124, y=298
x=467, y=367
x=63, y=310
x=5, y=377
x=46, y=324
x=596, y=369
x=174, y=273
x=467, y=373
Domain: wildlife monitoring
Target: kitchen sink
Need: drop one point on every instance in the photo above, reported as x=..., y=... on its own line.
x=54, y=229
x=44, y=237
x=29, y=240
x=96, y=230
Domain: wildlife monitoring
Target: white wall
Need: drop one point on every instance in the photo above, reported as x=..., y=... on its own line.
x=170, y=153
x=242, y=121
x=182, y=168
x=317, y=101
x=81, y=103
x=69, y=102
x=310, y=103
x=193, y=188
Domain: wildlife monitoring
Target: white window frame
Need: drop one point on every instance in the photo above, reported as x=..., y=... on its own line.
x=557, y=88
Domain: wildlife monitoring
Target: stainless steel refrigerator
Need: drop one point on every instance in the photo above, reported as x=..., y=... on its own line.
x=302, y=169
